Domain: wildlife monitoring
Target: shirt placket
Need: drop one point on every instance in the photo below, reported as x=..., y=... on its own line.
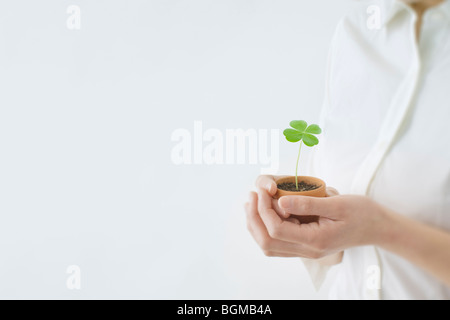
x=399, y=108
x=395, y=117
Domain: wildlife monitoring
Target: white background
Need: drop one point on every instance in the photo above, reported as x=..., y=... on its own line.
x=86, y=118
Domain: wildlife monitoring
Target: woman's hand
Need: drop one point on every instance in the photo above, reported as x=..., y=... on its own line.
x=344, y=222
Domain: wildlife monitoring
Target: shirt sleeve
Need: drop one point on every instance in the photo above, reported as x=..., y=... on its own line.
x=317, y=272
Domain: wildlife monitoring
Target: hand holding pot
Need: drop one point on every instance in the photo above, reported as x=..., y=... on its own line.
x=343, y=222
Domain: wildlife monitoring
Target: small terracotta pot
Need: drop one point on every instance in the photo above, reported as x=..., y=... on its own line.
x=320, y=192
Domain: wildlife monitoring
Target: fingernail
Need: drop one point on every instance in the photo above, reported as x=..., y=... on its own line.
x=269, y=188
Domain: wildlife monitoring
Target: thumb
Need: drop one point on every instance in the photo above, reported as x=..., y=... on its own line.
x=306, y=206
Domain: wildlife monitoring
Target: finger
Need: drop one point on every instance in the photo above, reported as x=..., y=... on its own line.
x=310, y=235
x=281, y=212
x=267, y=183
x=266, y=211
x=259, y=232
x=331, y=192
x=252, y=213
x=307, y=206
x=276, y=227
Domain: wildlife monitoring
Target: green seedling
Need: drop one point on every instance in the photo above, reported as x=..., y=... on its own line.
x=300, y=131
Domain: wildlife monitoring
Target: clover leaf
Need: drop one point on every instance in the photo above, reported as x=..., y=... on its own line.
x=301, y=132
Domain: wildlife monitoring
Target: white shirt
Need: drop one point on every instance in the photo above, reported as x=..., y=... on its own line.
x=386, y=134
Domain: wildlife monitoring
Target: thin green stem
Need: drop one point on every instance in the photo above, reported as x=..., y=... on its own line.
x=296, y=168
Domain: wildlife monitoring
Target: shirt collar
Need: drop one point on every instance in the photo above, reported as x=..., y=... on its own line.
x=393, y=7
